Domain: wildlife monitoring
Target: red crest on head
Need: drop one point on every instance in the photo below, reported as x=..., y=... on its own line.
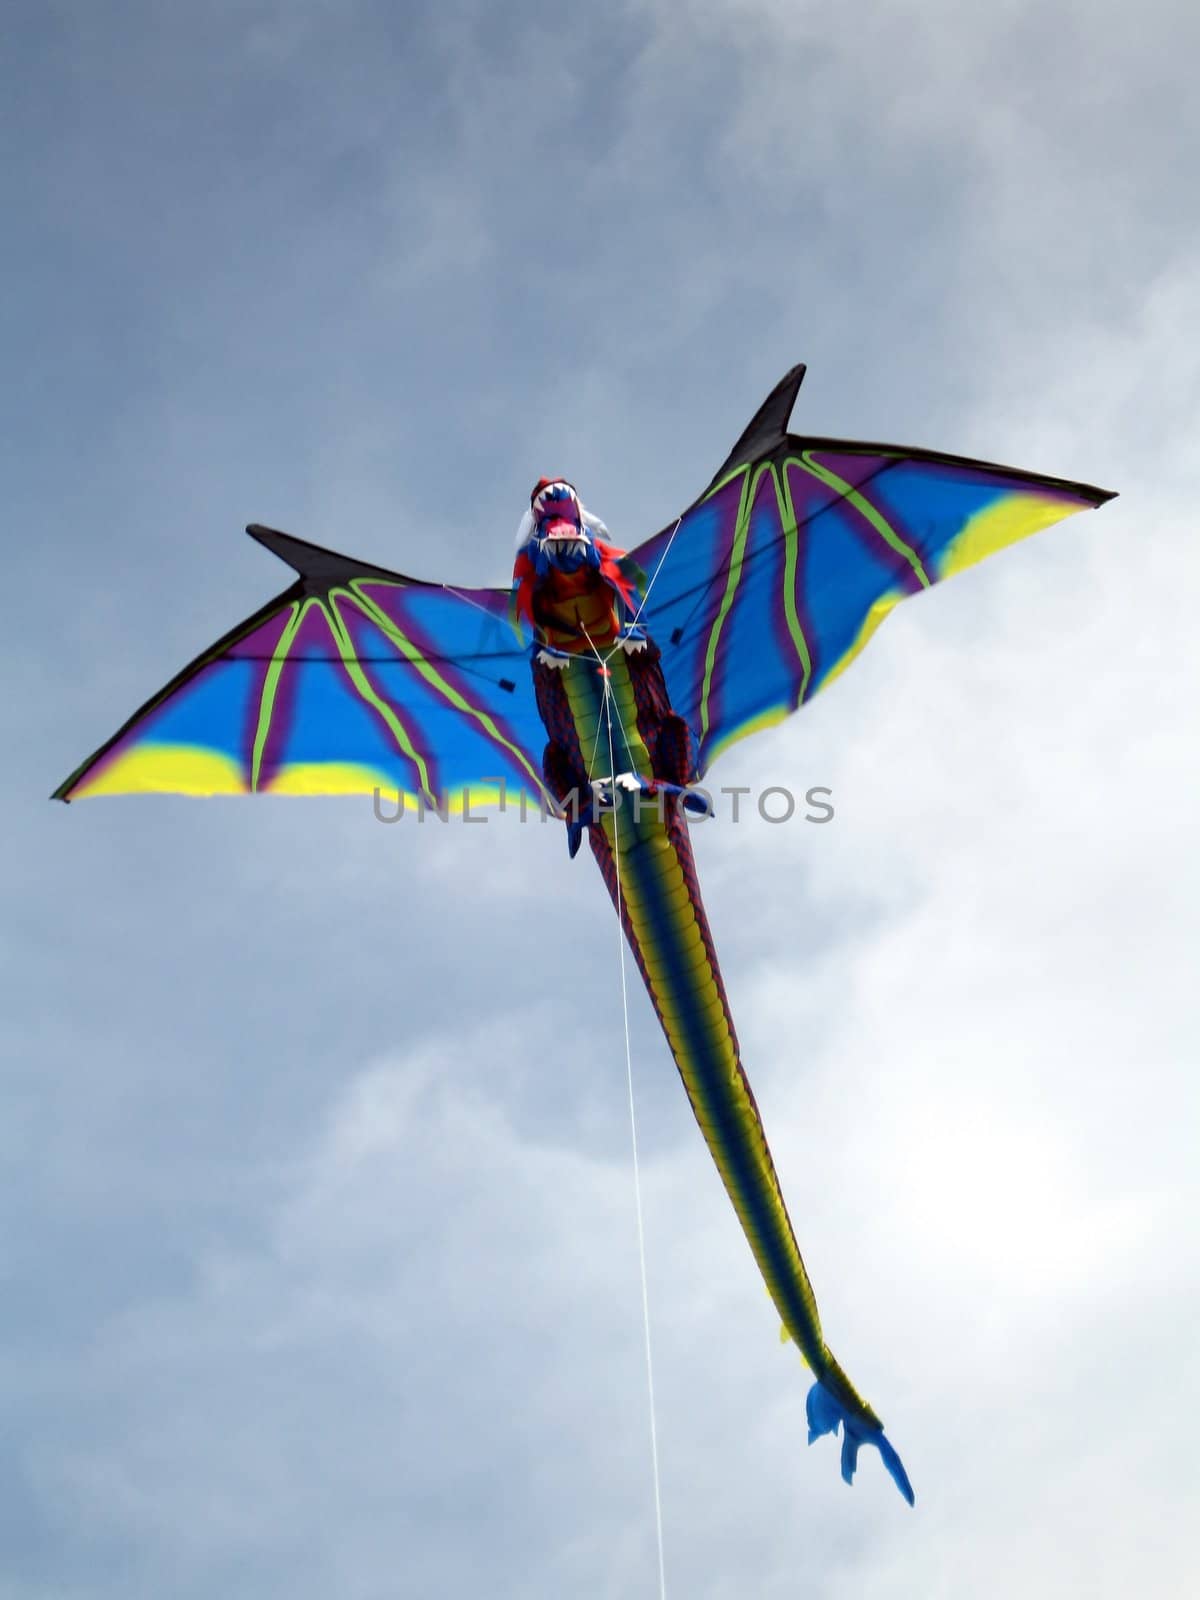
x=544, y=483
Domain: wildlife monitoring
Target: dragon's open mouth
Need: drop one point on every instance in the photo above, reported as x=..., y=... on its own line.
x=558, y=519
x=566, y=539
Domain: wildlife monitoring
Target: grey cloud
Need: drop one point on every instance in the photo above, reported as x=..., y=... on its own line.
x=321, y=1269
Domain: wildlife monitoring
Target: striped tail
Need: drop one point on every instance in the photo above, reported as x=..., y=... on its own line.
x=645, y=856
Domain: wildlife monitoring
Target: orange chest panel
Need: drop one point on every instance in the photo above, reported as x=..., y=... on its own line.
x=573, y=606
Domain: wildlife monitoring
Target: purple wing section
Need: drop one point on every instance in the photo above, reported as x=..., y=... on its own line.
x=353, y=680
x=773, y=581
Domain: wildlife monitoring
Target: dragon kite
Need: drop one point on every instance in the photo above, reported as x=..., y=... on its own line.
x=602, y=686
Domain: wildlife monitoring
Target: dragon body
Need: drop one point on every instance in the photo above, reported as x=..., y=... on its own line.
x=619, y=760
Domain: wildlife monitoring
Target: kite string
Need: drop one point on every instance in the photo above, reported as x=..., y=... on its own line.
x=459, y=594
x=608, y=707
x=637, y=617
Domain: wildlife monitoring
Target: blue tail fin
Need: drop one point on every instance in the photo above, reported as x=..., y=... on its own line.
x=826, y=1413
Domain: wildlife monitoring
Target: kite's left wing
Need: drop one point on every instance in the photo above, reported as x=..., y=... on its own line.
x=771, y=583
x=354, y=679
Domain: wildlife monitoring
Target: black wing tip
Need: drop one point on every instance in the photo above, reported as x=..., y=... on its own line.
x=299, y=554
x=316, y=564
x=768, y=427
x=63, y=791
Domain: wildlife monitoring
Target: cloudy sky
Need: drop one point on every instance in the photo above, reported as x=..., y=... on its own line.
x=318, y=1257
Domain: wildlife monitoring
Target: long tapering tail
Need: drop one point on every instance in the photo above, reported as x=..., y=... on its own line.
x=642, y=847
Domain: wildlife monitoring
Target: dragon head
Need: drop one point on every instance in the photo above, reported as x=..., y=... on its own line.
x=567, y=579
x=562, y=535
